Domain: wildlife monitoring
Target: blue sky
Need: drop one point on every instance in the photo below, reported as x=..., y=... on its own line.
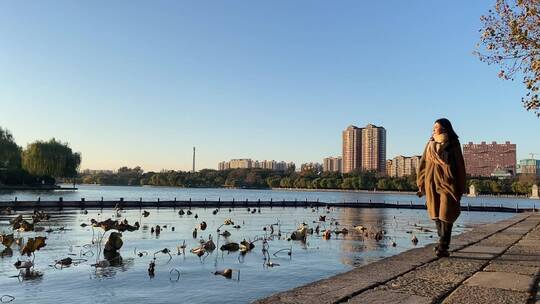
x=142, y=82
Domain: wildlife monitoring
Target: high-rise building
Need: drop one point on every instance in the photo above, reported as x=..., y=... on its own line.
x=352, y=149
x=402, y=166
x=411, y=165
x=364, y=149
x=374, y=149
x=529, y=166
x=484, y=159
x=332, y=164
x=390, y=170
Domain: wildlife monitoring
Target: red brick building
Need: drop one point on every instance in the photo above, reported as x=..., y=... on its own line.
x=483, y=159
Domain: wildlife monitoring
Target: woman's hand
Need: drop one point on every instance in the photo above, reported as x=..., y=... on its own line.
x=420, y=192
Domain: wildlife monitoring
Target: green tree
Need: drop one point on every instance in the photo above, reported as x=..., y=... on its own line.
x=401, y=184
x=285, y=182
x=316, y=183
x=494, y=187
x=50, y=158
x=273, y=181
x=521, y=187
x=385, y=184
x=10, y=152
x=510, y=38
x=348, y=183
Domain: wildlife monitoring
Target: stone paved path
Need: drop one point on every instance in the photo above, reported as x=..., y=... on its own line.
x=494, y=263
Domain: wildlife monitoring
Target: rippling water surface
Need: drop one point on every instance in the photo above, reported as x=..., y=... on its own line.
x=130, y=283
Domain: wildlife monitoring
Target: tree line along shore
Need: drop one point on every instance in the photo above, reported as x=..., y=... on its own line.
x=43, y=164
x=308, y=179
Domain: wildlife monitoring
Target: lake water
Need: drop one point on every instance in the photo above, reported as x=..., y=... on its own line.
x=129, y=282
x=91, y=192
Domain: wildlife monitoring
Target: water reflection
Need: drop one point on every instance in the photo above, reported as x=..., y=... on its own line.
x=358, y=242
x=118, y=264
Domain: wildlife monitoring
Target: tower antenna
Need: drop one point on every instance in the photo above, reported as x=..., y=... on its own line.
x=193, y=160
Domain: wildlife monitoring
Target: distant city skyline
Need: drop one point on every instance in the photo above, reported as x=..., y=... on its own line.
x=141, y=84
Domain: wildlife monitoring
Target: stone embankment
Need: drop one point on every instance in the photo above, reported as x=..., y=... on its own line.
x=493, y=263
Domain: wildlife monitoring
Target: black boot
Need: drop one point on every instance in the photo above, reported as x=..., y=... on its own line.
x=444, y=230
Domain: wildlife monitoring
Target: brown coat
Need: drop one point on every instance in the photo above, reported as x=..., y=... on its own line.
x=443, y=184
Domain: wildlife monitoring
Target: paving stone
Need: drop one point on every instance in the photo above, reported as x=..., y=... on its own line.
x=528, y=242
x=517, y=262
x=415, y=256
x=447, y=270
x=525, y=250
x=501, y=280
x=383, y=270
x=479, y=248
x=512, y=268
x=388, y=297
x=466, y=294
x=500, y=240
x=470, y=237
x=412, y=285
x=532, y=236
x=473, y=255
x=533, y=260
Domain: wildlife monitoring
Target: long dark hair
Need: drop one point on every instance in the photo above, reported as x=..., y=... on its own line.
x=447, y=126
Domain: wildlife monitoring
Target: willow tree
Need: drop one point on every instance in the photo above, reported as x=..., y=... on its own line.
x=50, y=158
x=10, y=152
x=510, y=38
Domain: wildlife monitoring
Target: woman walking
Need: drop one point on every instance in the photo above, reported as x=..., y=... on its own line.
x=441, y=178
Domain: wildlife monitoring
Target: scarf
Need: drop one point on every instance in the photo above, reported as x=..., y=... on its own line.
x=435, y=151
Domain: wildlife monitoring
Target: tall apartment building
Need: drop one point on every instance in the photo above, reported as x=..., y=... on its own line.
x=401, y=166
x=529, y=166
x=411, y=165
x=374, y=149
x=332, y=164
x=484, y=159
x=364, y=149
x=390, y=169
x=352, y=149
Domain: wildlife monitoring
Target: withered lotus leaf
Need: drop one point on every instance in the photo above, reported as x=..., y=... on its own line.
x=230, y=247
x=33, y=244
x=7, y=239
x=17, y=219
x=109, y=224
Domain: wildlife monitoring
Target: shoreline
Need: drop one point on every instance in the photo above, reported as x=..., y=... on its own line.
x=312, y=190
x=348, y=190
x=34, y=188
